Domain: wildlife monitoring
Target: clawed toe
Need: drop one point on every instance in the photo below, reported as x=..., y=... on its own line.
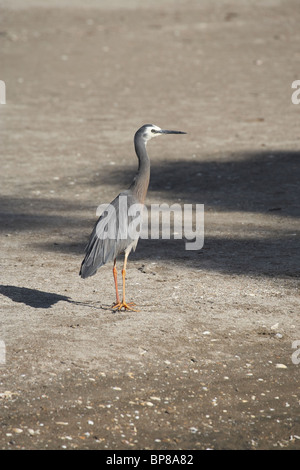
x=124, y=306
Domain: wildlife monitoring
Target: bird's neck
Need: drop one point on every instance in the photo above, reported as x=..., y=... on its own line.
x=141, y=180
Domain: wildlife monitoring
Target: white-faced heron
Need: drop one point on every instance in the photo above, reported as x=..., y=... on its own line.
x=110, y=236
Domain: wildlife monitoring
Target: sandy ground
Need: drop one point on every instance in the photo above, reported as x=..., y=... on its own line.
x=207, y=361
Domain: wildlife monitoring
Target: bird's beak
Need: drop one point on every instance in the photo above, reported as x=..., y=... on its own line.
x=165, y=131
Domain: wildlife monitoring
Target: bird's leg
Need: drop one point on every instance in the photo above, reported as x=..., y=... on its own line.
x=124, y=276
x=116, y=284
x=123, y=305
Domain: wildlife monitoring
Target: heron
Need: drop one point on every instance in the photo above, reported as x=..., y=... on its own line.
x=110, y=237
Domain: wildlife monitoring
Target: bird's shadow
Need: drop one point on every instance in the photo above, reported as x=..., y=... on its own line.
x=40, y=299
x=32, y=297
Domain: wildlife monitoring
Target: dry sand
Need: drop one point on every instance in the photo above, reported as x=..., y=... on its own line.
x=207, y=361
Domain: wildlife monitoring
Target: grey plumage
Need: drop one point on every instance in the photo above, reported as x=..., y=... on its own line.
x=102, y=249
x=110, y=236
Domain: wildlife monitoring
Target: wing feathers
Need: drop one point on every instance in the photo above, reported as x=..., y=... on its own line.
x=110, y=236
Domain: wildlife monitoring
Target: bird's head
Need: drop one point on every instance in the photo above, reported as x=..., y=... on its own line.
x=148, y=131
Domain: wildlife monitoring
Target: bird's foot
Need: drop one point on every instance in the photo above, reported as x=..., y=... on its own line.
x=124, y=306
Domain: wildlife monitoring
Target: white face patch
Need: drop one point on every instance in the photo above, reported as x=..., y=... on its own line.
x=151, y=131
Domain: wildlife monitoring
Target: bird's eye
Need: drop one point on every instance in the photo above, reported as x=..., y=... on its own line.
x=153, y=130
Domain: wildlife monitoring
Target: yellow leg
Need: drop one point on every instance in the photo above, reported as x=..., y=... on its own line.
x=124, y=275
x=123, y=305
x=116, y=283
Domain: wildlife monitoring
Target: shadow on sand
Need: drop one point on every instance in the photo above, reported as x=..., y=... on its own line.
x=264, y=182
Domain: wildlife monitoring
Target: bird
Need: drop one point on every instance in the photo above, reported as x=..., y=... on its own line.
x=110, y=236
